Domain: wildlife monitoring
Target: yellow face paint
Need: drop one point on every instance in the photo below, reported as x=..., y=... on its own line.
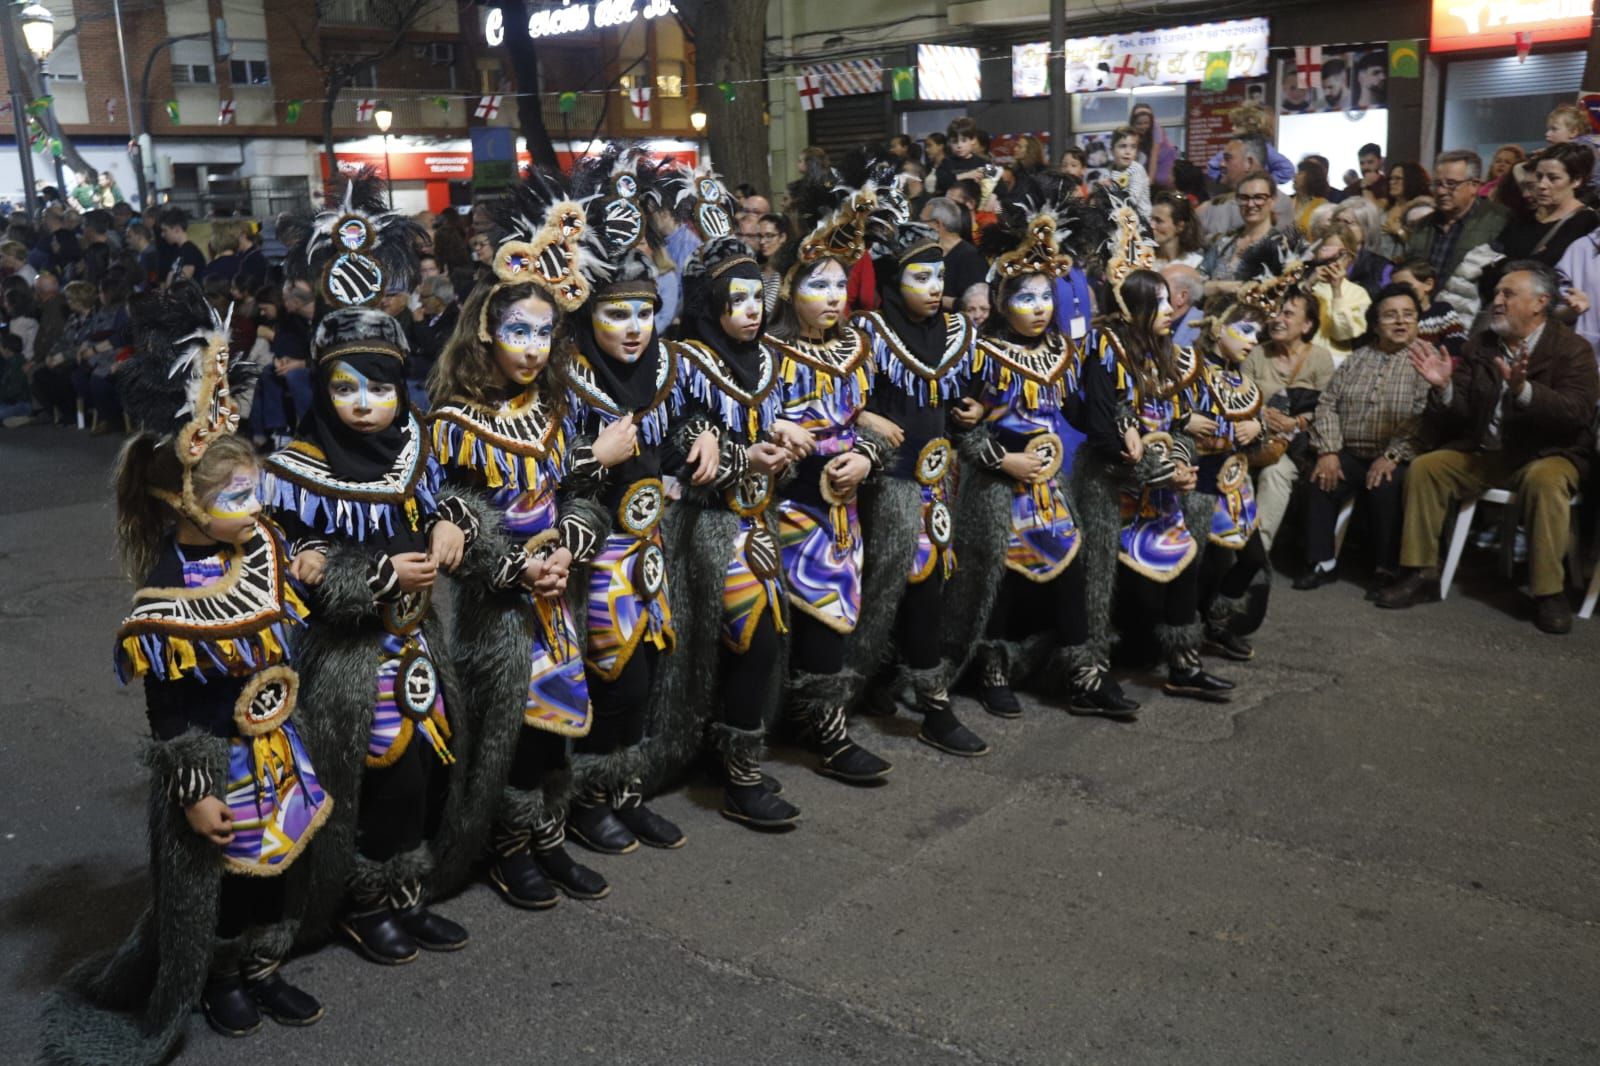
x=623, y=328
x=742, y=319
x=236, y=499
x=352, y=390
x=819, y=300
x=523, y=338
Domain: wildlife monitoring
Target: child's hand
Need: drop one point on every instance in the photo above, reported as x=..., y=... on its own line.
x=794, y=437
x=616, y=443
x=704, y=457
x=967, y=412
x=553, y=582
x=308, y=568
x=211, y=819
x=446, y=543
x=414, y=570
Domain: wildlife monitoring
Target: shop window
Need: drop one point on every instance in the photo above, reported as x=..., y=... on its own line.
x=248, y=63
x=1491, y=102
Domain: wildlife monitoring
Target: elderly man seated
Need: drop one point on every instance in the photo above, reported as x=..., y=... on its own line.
x=1516, y=414
x=1365, y=434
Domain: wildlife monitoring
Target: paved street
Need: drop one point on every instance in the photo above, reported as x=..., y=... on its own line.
x=1385, y=850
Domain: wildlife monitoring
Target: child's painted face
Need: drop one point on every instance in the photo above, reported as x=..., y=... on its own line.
x=1163, y=316
x=522, y=340
x=922, y=288
x=623, y=328
x=819, y=299
x=1030, y=306
x=364, y=405
x=231, y=511
x=741, y=319
x=1126, y=151
x=1238, y=339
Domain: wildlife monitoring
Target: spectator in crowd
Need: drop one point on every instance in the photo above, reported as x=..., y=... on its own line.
x=252, y=261
x=903, y=148
x=1255, y=246
x=1156, y=152
x=98, y=334
x=283, y=392
x=1125, y=174
x=964, y=194
x=1074, y=167
x=1366, y=432
x=1505, y=157
x=427, y=266
x=1440, y=326
x=1243, y=156
x=1176, y=230
x=142, y=243
x=450, y=246
x=50, y=310
x=975, y=304
x=16, y=392
x=178, y=254
x=85, y=190
x=915, y=186
x=1291, y=372
x=755, y=204
x=1371, y=267
x=121, y=218
x=482, y=250
x=1408, y=183
x=435, y=322
x=1344, y=303
x=1580, y=272
x=1517, y=413
x=1461, y=221
x=14, y=262
x=964, y=160
x=677, y=240
x=1568, y=124
x=97, y=249
x=1559, y=217
x=224, y=248
x=964, y=267
x=934, y=147
x=1311, y=191
x=749, y=230
x=1186, y=288
x=772, y=233
x=1020, y=178
x=22, y=315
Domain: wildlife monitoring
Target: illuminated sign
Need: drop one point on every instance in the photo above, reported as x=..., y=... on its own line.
x=1463, y=24
x=948, y=72
x=1165, y=57
x=574, y=18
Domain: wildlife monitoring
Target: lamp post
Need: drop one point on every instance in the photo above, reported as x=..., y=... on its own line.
x=383, y=115
x=697, y=119
x=39, y=34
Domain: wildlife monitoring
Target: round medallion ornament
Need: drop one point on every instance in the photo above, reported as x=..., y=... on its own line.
x=1050, y=450
x=750, y=496
x=266, y=701
x=650, y=572
x=416, y=684
x=626, y=186
x=641, y=506
x=624, y=224
x=403, y=615
x=933, y=463
x=941, y=526
x=354, y=279
x=761, y=552
x=1234, y=472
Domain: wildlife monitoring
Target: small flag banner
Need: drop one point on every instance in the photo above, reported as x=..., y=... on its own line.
x=726, y=89
x=1405, y=58
x=1308, y=66
x=488, y=107
x=567, y=103
x=364, y=110
x=1217, y=66
x=1524, y=45
x=442, y=103
x=40, y=105
x=639, y=100
x=111, y=109
x=291, y=111
x=172, y=110
x=225, y=113
x=850, y=77
x=809, y=86
x=903, y=83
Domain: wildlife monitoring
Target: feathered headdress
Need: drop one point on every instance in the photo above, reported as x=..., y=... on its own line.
x=712, y=260
x=537, y=233
x=180, y=383
x=1129, y=248
x=900, y=241
x=1028, y=239
x=1266, y=291
x=353, y=251
x=841, y=235
x=700, y=200
x=617, y=190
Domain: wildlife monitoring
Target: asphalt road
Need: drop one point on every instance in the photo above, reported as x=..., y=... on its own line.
x=1385, y=850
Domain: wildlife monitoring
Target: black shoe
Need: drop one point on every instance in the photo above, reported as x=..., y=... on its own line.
x=943, y=730
x=1314, y=579
x=596, y=827
x=758, y=807
x=771, y=784
x=881, y=701
x=1195, y=683
x=573, y=878
x=432, y=931
x=1105, y=700
x=228, y=1007
x=854, y=765
x=283, y=1002
x=1416, y=587
x=1229, y=644
x=379, y=936
x=521, y=883
x=999, y=701
x=1552, y=614
x=649, y=827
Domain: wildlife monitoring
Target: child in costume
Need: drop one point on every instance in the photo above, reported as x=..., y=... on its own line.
x=620, y=373
x=824, y=369
x=721, y=538
x=234, y=798
x=359, y=493
x=499, y=426
x=922, y=360
x=1017, y=606
x=1134, y=475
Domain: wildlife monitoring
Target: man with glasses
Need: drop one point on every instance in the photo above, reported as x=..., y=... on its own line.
x=1244, y=155
x=1461, y=221
x=1516, y=414
x=1365, y=432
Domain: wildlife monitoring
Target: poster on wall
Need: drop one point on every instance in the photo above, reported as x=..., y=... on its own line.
x=1356, y=80
x=1209, y=125
x=1165, y=57
x=1030, y=69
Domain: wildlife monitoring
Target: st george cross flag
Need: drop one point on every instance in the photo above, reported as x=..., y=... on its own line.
x=488, y=107
x=809, y=86
x=225, y=113
x=1308, y=66
x=639, y=100
x=364, y=110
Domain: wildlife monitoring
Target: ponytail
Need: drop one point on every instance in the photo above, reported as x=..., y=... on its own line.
x=146, y=462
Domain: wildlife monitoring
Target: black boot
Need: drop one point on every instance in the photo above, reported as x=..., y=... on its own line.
x=1096, y=692
x=842, y=758
x=1185, y=678
x=593, y=823
x=994, y=689
x=646, y=825
x=378, y=936
x=227, y=1006
x=1228, y=644
x=748, y=800
x=943, y=730
x=573, y=878
x=277, y=998
x=514, y=874
x=432, y=931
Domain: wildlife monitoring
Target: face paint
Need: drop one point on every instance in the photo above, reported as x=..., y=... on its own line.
x=231, y=512
x=361, y=403
x=819, y=299
x=522, y=340
x=922, y=288
x=1164, y=315
x=623, y=328
x=1030, y=306
x=1238, y=338
x=742, y=318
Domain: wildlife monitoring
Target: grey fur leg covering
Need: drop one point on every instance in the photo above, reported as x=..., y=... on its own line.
x=1065, y=671
x=813, y=694
x=1097, y=509
x=1180, y=645
x=1224, y=609
x=264, y=948
x=930, y=682
x=741, y=751
x=598, y=775
x=396, y=881
x=226, y=956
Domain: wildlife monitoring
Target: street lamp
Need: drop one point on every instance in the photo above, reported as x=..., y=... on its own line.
x=383, y=115
x=39, y=34
x=697, y=119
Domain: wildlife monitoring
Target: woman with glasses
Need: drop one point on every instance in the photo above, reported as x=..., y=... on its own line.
x=772, y=233
x=1365, y=433
x=1255, y=247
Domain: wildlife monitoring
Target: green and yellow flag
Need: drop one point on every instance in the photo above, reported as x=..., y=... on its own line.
x=291, y=112
x=172, y=110
x=567, y=103
x=1405, y=59
x=903, y=83
x=442, y=103
x=39, y=105
x=1217, y=66
x=726, y=88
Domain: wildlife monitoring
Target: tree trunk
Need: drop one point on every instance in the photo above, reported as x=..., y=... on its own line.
x=728, y=40
x=525, y=68
x=330, y=92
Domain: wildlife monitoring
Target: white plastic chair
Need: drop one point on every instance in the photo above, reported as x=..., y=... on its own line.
x=1463, y=528
x=1341, y=525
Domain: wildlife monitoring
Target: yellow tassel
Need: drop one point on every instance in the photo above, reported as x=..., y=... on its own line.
x=431, y=728
x=754, y=417
x=839, y=515
x=293, y=601
x=273, y=758
x=412, y=513
x=933, y=391
x=136, y=656
x=1030, y=392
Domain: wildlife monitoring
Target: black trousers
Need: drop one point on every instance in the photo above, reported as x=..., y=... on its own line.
x=813, y=647
x=539, y=752
x=247, y=901
x=919, y=621
x=1171, y=603
x=747, y=676
x=1023, y=608
x=1384, y=506
x=401, y=804
x=620, y=705
x=1228, y=572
